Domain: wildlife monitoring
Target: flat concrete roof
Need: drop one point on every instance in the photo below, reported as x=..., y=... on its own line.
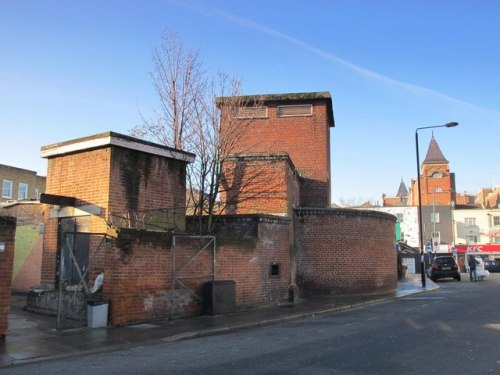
x=114, y=139
x=289, y=98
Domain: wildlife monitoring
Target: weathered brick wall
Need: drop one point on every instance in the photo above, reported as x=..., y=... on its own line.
x=248, y=263
x=260, y=184
x=7, y=235
x=29, y=244
x=345, y=251
x=138, y=270
x=152, y=189
x=85, y=176
x=305, y=138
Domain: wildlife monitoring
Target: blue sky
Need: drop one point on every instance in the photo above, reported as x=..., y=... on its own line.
x=74, y=68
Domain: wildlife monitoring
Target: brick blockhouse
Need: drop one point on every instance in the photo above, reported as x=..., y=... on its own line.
x=108, y=181
x=292, y=125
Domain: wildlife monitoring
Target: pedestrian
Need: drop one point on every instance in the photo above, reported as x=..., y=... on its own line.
x=472, y=268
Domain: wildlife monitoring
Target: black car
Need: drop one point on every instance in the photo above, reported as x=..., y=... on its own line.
x=444, y=266
x=492, y=265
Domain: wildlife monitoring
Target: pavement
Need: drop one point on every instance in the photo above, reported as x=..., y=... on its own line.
x=33, y=337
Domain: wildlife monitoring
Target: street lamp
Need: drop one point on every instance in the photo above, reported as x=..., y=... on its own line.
x=422, y=270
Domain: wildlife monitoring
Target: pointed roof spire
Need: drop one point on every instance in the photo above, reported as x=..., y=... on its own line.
x=434, y=154
x=402, y=191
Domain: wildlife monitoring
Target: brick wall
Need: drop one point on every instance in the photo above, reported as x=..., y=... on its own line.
x=264, y=184
x=29, y=243
x=345, y=251
x=139, y=269
x=249, y=263
x=85, y=176
x=7, y=233
x=150, y=187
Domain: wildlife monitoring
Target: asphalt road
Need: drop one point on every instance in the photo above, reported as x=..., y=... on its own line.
x=453, y=330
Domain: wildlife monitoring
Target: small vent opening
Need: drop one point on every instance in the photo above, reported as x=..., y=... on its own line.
x=295, y=110
x=252, y=112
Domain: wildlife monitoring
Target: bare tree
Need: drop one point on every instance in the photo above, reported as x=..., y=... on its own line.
x=178, y=81
x=199, y=116
x=218, y=128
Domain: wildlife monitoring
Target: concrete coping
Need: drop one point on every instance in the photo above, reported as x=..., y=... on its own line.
x=352, y=212
x=108, y=139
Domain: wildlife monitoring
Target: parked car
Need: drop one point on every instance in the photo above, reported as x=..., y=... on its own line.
x=492, y=265
x=444, y=266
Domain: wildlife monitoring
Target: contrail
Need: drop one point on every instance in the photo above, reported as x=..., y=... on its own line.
x=202, y=8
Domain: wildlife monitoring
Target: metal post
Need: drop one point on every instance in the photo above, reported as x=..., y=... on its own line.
x=421, y=235
x=420, y=225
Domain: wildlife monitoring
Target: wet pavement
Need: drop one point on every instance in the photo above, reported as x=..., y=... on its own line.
x=33, y=337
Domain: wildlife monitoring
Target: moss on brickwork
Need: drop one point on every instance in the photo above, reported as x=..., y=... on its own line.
x=135, y=168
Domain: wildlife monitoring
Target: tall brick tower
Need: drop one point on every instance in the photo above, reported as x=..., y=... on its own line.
x=437, y=183
x=297, y=125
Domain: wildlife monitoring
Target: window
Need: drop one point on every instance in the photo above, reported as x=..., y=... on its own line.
x=7, y=189
x=438, y=190
x=399, y=218
x=23, y=191
x=496, y=220
x=37, y=193
x=470, y=239
x=252, y=112
x=295, y=110
x=274, y=269
x=437, y=175
x=434, y=217
x=470, y=221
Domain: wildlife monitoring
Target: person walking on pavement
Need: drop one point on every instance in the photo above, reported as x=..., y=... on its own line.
x=472, y=268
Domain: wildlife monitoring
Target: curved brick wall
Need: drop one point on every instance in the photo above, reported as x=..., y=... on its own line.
x=345, y=251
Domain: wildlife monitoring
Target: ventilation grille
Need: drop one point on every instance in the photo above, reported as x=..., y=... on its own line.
x=295, y=110
x=252, y=112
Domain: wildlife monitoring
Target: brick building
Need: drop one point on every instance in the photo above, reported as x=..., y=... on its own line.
x=20, y=184
x=437, y=183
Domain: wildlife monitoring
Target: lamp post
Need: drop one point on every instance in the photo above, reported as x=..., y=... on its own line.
x=420, y=225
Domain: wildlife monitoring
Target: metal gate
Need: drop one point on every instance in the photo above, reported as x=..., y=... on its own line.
x=75, y=258
x=193, y=263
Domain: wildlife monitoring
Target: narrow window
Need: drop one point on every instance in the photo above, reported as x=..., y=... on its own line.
x=23, y=191
x=496, y=220
x=470, y=239
x=7, y=189
x=435, y=217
